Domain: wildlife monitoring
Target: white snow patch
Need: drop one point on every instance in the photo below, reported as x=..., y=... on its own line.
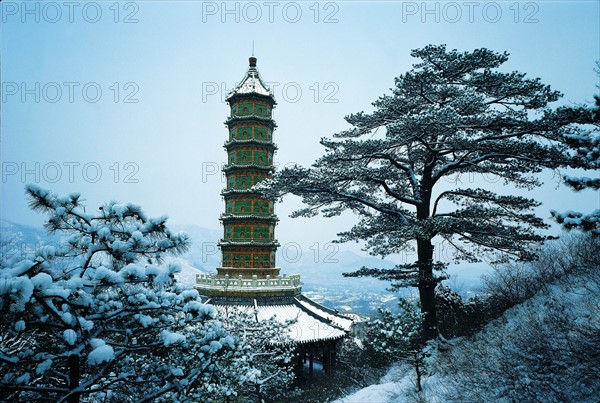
x=41, y=280
x=97, y=343
x=20, y=326
x=43, y=366
x=170, y=338
x=70, y=336
x=104, y=353
x=381, y=393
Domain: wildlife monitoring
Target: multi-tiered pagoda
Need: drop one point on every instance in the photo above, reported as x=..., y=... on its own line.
x=248, y=277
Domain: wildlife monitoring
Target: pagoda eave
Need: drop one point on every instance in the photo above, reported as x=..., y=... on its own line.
x=234, y=167
x=228, y=192
x=251, y=117
x=228, y=242
x=264, y=143
x=249, y=286
x=233, y=217
x=234, y=95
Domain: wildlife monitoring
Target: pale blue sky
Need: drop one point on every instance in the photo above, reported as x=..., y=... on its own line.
x=178, y=53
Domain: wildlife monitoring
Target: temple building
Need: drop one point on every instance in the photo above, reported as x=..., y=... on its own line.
x=249, y=277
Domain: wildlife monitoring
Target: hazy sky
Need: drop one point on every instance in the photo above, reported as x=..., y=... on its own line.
x=124, y=100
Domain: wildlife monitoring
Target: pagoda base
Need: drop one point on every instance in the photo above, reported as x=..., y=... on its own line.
x=210, y=285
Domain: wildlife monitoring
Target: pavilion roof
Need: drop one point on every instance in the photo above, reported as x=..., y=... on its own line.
x=311, y=322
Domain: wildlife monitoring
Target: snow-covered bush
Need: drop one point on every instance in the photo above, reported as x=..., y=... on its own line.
x=511, y=284
x=260, y=367
x=395, y=334
x=458, y=317
x=97, y=317
x=546, y=345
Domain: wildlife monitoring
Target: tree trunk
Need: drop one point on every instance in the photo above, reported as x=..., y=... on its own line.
x=259, y=398
x=73, y=363
x=418, y=370
x=427, y=289
x=425, y=262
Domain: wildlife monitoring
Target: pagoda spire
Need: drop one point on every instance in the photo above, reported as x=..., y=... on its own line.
x=252, y=83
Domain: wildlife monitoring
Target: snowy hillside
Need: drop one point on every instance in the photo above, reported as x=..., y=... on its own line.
x=545, y=349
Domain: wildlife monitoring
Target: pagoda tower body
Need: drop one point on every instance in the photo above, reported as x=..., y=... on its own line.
x=248, y=277
x=248, y=246
x=249, y=243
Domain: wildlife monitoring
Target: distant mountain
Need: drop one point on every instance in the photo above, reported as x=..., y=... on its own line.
x=326, y=271
x=188, y=273
x=319, y=270
x=22, y=238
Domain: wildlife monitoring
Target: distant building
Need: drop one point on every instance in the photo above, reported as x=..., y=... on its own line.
x=249, y=277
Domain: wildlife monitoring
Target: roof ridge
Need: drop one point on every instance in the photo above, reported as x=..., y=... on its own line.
x=324, y=308
x=315, y=315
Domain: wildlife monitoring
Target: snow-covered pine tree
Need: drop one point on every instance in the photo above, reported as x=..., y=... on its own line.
x=453, y=114
x=96, y=317
x=397, y=336
x=395, y=333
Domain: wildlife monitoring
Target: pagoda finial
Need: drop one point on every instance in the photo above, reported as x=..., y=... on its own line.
x=252, y=61
x=253, y=47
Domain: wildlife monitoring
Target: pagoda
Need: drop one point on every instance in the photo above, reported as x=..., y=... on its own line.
x=249, y=277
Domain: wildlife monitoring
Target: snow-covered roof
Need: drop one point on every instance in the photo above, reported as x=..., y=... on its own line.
x=322, y=311
x=310, y=324
x=251, y=83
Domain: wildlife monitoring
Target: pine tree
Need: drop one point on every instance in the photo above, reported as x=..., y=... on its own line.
x=585, y=145
x=452, y=114
x=98, y=317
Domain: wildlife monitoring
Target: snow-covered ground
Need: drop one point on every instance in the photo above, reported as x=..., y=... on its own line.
x=395, y=386
x=539, y=350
